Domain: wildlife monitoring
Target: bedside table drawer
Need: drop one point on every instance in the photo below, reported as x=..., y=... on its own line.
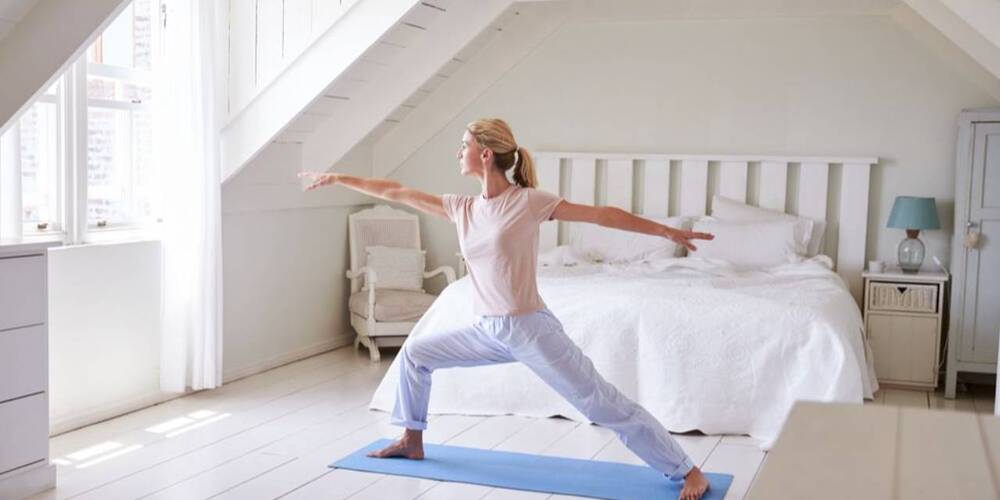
x=902, y=297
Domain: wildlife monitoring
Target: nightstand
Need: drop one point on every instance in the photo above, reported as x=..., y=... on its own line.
x=904, y=314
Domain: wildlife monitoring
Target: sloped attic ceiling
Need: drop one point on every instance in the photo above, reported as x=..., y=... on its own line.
x=38, y=38
x=972, y=25
x=11, y=13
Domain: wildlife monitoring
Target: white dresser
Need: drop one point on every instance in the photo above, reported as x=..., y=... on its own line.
x=24, y=371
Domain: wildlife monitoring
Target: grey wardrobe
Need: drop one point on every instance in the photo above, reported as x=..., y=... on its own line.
x=975, y=261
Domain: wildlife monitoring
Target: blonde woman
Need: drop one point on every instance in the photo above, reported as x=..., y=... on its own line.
x=498, y=236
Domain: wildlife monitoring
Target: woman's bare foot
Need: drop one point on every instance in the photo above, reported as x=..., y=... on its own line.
x=695, y=485
x=411, y=446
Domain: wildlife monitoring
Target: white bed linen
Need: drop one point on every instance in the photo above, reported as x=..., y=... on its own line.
x=698, y=344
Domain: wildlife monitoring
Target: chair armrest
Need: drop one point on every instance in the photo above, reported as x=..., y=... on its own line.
x=449, y=273
x=366, y=272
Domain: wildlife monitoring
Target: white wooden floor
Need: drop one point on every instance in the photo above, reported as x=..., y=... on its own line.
x=272, y=436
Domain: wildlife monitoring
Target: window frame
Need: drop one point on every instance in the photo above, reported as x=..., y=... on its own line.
x=56, y=225
x=70, y=222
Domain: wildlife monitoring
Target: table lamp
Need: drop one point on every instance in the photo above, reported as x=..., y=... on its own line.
x=912, y=214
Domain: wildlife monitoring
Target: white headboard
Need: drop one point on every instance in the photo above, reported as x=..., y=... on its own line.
x=831, y=189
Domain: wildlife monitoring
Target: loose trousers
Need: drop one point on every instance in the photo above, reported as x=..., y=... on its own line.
x=536, y=339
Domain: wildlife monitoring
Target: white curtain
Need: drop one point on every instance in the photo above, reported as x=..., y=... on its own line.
x=186, y=135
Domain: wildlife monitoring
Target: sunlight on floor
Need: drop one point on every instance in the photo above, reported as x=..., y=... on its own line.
x=108, y=450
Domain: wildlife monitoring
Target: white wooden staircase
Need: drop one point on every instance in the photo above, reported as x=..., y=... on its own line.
x=372, y=67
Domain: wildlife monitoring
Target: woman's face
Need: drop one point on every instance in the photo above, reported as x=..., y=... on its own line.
x=471, y=155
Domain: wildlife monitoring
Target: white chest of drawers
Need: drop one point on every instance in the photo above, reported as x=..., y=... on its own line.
x=24, y=371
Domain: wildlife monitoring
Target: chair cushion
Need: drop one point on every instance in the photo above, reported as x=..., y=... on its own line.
x=396, y=268
x=392, y=305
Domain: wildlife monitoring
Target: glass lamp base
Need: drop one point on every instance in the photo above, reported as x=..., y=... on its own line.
x=910, y=255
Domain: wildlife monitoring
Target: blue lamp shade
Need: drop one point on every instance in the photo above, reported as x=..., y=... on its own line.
x=911, y=212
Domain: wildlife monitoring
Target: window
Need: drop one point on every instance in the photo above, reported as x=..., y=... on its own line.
x=120, y=177
x=39, y=148
x=110, y=117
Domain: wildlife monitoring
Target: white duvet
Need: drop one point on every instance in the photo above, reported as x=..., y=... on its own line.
x=698, y=344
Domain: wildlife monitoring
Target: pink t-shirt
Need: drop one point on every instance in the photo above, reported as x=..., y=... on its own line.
x=499, y=240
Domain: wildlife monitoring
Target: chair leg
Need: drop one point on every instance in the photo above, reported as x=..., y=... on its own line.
x=373, y=351
x=357, y=341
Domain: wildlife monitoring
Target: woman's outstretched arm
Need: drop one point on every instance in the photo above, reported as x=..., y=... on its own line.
x=620, y=219
x=380, y=188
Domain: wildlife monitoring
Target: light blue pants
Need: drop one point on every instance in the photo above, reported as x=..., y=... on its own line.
x=536, y=339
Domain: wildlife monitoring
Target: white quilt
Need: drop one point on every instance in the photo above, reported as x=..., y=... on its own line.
x=698, y=344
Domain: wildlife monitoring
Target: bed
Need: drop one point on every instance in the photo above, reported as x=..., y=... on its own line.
x=701, y=343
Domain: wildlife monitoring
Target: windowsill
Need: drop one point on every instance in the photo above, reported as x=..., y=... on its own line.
x=29, y=243
x=54, y=237
x=111, y=236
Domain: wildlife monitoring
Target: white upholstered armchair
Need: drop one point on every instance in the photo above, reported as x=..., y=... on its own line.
x=387, y=276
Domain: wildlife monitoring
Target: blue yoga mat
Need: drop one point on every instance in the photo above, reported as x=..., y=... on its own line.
x=521, y=471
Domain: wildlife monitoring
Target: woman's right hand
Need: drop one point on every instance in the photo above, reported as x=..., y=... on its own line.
x=318, y=179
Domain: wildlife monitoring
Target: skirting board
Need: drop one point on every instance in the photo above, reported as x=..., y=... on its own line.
x=27, y=482
x=106, y=412
x=341, y=340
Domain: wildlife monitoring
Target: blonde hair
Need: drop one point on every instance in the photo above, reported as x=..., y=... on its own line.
x=495, y=135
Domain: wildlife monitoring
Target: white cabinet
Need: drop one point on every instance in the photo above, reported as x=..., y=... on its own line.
x=24, y=372
x=974, y=342
x=903, y=319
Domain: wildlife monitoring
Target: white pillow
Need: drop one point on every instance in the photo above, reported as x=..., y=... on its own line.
x=748, y=245
x=396, y=268
x=562, y=256
x=611, y=245
x=809, y=232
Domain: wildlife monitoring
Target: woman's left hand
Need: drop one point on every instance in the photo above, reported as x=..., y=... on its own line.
x=683, y=237
x=318, y=179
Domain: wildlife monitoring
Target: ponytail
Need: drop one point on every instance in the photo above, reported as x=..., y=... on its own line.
x=524, y=169
x=495, y=134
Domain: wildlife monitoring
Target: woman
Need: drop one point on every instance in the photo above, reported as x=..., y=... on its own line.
x=498, y=236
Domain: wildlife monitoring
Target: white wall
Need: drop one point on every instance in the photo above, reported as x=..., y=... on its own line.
x=850, y=85
x=285, y=255
x=104, y=342
x=285, y=292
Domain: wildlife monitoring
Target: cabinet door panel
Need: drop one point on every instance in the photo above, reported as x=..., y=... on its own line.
x=904, y=347
x=980, y=318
